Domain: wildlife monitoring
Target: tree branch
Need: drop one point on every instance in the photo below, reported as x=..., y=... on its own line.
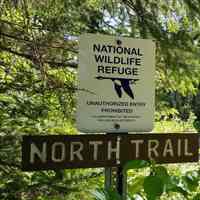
x=14, y=37
x=7, y=164
x=2, y=63
x=39, y=45
x=11, y=23
x=71, y=64
x=9, y=50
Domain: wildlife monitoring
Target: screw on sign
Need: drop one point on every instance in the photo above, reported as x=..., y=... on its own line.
x=119, y=42
x=116, y=126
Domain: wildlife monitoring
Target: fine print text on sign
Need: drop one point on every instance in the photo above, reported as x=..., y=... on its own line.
x=117, y=78
x=82, y=151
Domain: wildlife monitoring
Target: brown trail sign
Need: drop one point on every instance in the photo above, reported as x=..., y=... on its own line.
x=82, y=151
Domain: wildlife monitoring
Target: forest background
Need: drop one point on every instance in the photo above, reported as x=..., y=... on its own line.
x=38, y=73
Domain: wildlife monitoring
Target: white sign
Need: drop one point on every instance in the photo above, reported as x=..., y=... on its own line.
x=116, y=78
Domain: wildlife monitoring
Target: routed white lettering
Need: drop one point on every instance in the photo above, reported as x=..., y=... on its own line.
x=186, y=145
x=168, y=148
x=77, y=152
x=95, y=146
x=137, y=146
x=152, y=148
x=115, y=149
x=42, y=154
x=55, y=146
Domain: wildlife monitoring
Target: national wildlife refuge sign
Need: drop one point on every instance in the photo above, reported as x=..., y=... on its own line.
x=116, y=82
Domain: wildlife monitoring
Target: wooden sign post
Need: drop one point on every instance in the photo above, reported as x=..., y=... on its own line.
x=117, y=77
x=114, y=72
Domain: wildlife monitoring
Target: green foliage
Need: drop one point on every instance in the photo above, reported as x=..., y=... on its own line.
x=38, y=62
x=153, y=187
x=160, y=183
x=175, y=126
x=196, y=197
x=100, y=194
x=135, y=164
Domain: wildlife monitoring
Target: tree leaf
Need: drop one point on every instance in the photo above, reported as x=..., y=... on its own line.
x=177, y=184
x=153, y=187
x=196, y=197
x=136, y=164
x=137, y=185
x=137, y=197
x=101, y=194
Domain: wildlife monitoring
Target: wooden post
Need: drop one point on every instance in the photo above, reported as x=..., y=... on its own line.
x=121, y=180
x=108, y=178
